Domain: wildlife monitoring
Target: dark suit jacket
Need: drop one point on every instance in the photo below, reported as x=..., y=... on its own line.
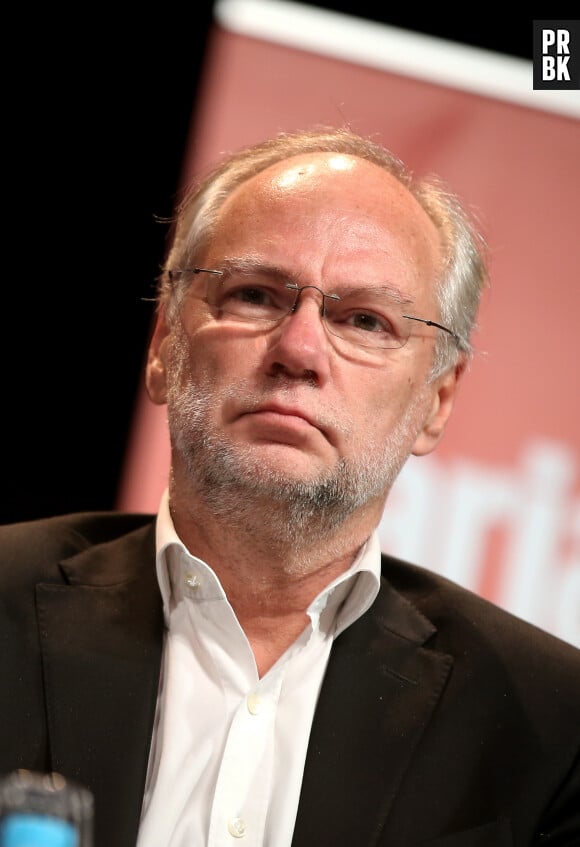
x=442, y=721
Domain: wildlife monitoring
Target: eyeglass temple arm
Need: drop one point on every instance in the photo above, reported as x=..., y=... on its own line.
x=432, y=323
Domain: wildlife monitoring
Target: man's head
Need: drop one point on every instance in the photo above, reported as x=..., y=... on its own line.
x=322, y=340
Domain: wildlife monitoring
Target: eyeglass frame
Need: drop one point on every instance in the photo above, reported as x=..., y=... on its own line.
x=298, y=289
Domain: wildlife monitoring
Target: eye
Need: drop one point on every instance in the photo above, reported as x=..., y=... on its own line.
x=252, y=295
x=248, y=299
x=369, y=322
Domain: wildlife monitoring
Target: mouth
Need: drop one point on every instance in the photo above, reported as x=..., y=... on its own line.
x=285, y=417
x=275, y=409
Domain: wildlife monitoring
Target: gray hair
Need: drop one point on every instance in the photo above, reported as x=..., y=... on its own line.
x=464, y=274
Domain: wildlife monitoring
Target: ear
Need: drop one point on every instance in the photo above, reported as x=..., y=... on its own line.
x=444, y=392
x=155, y=371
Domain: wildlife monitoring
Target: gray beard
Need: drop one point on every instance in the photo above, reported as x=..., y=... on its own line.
x=237, y=485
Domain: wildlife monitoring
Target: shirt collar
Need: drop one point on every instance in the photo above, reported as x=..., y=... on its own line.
x=349, y=596
x=342, y=602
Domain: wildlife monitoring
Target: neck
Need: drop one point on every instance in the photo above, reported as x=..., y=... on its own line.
x=269, y=577
x=265, y=549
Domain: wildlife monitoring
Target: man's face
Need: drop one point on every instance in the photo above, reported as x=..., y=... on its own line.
x=288, y=411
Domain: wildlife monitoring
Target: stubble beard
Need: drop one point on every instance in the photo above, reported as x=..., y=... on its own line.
x=237, y=485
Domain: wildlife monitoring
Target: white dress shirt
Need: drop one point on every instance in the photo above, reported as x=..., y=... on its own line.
x=229, y=747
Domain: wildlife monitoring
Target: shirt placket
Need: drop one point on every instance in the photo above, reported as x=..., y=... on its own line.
x=243, y=788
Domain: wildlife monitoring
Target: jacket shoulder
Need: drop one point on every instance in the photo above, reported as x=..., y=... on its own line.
x=39, y=544
x=480, y=633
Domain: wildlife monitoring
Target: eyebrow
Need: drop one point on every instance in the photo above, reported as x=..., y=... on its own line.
x=255, y=266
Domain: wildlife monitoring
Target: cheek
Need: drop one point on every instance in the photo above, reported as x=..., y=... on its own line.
x=396, y=406
x=389, y=394
x=219, y=356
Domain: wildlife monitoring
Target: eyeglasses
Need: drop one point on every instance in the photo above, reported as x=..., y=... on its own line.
x=367, y=317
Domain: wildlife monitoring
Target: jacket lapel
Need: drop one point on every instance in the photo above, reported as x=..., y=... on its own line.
x=102, y=637
x=383, y=682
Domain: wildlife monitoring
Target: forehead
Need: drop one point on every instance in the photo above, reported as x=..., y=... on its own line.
x=327, y=177
x=329, y=208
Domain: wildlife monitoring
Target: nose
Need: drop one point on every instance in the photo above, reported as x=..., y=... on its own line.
x=299, y=343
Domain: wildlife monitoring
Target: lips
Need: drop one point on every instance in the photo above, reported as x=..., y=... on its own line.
x=292, y=415
x=287, y=411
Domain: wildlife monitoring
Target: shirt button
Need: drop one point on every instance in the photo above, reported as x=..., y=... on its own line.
x=254, y=703
x=237, y=827
x=192, y=581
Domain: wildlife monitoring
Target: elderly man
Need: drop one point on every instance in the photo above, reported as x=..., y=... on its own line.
x=246, y=666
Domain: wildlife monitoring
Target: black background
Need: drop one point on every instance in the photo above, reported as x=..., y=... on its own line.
x=97, y=110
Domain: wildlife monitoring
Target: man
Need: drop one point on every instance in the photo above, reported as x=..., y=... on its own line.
x=240, y=669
